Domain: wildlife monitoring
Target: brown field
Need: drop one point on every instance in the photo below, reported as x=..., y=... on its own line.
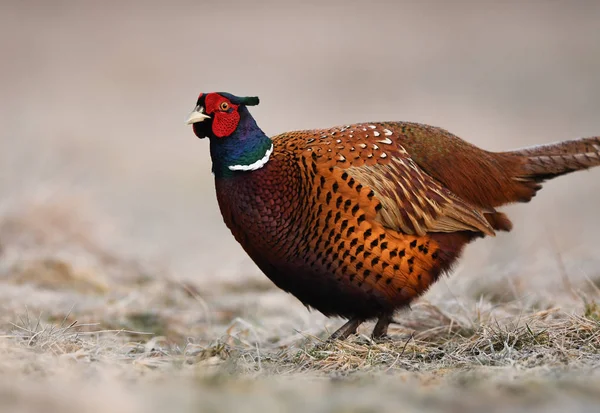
x=121, y=289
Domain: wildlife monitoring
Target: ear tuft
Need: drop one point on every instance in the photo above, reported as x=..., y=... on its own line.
x=250, y=101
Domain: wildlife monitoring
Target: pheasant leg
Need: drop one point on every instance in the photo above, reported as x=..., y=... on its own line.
x=381, y=328
x=346, y=330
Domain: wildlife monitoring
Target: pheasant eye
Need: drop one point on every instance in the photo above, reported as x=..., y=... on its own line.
x=224, y=106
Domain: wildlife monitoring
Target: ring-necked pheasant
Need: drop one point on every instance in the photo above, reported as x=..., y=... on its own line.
x=359, y=220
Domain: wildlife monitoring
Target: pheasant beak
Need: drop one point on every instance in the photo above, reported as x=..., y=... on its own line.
x=197, y=115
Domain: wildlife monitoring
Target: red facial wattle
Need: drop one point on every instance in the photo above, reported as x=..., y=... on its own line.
x=224, y=122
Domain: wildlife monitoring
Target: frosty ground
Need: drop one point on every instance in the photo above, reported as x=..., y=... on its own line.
x=84, y=327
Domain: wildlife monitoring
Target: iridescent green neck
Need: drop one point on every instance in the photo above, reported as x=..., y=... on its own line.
x=247, y=149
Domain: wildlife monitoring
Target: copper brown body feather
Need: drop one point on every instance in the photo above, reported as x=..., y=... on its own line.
x=359, y=220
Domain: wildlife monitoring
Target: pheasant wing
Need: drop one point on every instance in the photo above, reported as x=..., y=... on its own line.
x=368, y=163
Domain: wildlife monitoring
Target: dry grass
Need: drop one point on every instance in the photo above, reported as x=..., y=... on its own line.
x=123, y=337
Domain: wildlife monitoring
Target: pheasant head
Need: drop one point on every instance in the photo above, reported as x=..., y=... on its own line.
x=237, y=144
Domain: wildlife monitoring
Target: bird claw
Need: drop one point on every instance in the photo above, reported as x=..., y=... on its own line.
x=384, y=338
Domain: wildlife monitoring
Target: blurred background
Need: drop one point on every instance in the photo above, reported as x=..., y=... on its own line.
x=119, y=281
x=94, y=97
